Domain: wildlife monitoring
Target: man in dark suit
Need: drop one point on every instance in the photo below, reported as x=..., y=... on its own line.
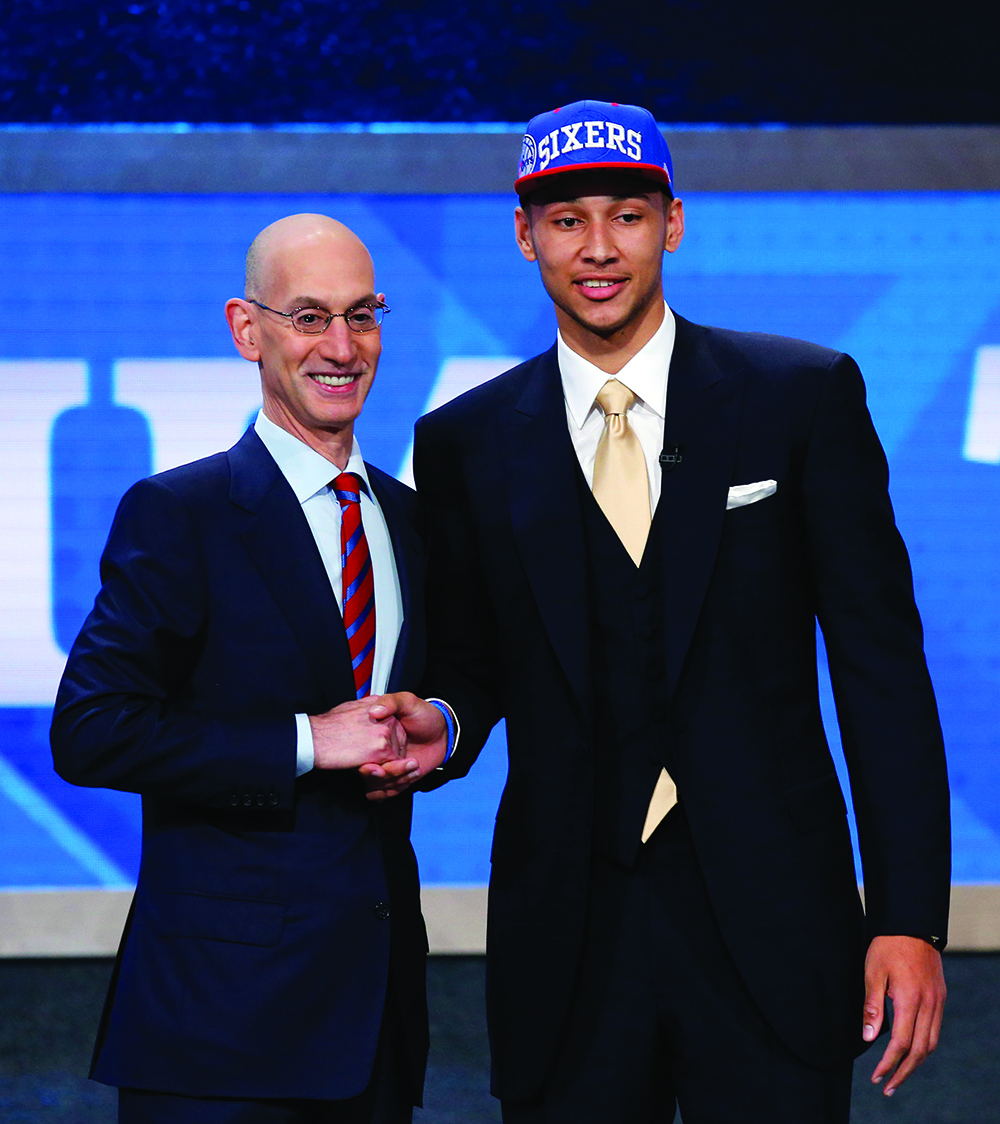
x=632, y=537
x=272, y=968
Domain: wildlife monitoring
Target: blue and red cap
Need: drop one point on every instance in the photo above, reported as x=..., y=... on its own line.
x=593, y=136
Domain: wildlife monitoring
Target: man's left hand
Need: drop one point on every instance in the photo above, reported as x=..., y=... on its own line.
x=909, y=971
x=426, y=743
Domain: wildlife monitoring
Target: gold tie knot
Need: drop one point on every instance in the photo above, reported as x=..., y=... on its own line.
x=615, y=398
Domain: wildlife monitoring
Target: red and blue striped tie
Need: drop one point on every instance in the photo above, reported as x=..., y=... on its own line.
x=357, y=581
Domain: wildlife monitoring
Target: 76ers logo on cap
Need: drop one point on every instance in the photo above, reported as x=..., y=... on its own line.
x=528, y=155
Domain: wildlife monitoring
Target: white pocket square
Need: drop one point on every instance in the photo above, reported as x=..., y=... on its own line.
x=742, y=494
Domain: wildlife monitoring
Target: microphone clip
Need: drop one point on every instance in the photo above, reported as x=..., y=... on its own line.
x=671, y=457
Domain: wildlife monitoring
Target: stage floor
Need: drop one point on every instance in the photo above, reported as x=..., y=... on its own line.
x=49, y=1010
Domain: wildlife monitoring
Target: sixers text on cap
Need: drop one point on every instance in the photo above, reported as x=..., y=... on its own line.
x=593, y=135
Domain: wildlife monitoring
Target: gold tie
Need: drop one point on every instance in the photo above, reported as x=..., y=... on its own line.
x=621, y=488
x=663, y=799
x=621, y=485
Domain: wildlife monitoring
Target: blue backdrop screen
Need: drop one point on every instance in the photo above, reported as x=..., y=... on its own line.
x=115, y=362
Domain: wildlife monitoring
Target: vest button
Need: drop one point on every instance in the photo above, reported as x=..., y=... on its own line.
x=654, y=670
x=382, y=911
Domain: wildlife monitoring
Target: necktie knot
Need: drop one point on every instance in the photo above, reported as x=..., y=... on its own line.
x=615, y=398
x=347, y=488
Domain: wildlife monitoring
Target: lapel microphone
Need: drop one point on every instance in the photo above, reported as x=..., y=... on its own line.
x=671, y=457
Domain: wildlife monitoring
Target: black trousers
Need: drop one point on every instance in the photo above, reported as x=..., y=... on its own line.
x=386, y=1100
x=661, y=1017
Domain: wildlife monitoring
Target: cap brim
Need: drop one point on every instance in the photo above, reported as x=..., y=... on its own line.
x=641, y=171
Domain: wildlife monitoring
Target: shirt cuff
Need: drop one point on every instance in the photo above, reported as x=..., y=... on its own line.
x=305, y=754
x=451, y=721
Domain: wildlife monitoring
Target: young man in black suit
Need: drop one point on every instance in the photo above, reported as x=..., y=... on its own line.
x=632, y=537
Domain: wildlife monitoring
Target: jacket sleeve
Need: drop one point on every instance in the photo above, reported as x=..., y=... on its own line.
x=126, y=716
x=885, y=703
x=462, y=648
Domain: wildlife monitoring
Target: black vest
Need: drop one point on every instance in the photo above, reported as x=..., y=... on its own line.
x=628, y=676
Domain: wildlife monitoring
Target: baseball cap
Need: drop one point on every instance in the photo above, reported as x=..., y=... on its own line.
x=593, y=135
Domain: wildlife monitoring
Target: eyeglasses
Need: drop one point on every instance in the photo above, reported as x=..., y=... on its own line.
x=315, y=321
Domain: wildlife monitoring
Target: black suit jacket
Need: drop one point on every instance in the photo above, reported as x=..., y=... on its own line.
x=256, y=959
x=737, y=714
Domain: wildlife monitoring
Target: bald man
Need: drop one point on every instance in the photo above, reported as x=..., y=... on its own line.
x=272, y=968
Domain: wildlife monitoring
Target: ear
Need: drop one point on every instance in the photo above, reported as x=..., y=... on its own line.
x=522, y=232
x=242, y=320
x=675, y=226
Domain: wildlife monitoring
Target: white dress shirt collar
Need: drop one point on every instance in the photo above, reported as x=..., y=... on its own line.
x=645, y=374
x=306, y=471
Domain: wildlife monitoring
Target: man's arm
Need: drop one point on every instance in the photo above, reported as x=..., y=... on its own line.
x=462, y=649
x=888, y=719
x=125, y=717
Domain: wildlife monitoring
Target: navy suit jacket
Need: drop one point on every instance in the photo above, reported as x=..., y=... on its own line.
x=736, y=708
x=256, y=959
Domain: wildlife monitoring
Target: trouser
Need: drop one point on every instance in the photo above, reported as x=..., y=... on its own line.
x=661, y=1017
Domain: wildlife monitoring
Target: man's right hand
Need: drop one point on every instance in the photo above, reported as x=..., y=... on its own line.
x=348, y=737
x=426, y=735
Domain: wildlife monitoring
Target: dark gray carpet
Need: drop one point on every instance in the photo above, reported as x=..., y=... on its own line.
x=49, y=1009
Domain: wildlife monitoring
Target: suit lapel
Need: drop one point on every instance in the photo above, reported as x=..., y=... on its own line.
x=541, y=474
x=408, y=552
x=704, y=402
x=279, y=542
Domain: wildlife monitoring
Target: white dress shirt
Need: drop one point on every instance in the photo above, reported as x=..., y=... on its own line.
x=645, y=374
x=309, y=474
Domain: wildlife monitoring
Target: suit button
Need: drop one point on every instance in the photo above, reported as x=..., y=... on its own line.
x=382, y=911
x=272, y=799
x=260, y=800
x=235, y=799
x=247, y=800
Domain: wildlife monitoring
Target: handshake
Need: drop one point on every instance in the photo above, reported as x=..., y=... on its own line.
x=393, y=741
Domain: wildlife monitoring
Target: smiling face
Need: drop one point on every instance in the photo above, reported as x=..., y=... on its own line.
x=313, y=385
x=599, y=240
